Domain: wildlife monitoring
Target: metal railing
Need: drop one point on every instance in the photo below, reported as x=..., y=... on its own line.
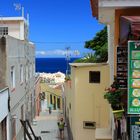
x=27, y=125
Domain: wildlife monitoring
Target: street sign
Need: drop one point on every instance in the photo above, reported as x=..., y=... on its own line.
x=133, y=77
x=135, y=128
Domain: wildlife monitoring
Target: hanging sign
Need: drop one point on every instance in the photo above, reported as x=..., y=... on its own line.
x=133, y=77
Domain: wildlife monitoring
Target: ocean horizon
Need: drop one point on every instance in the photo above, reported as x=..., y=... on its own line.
x=52, y=65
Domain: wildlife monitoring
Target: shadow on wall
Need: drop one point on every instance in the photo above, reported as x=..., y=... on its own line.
x=2, y=62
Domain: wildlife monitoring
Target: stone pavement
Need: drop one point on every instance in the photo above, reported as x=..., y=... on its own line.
x=46, y=126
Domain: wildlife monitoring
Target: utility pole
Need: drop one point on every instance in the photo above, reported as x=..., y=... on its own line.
x=67, y=59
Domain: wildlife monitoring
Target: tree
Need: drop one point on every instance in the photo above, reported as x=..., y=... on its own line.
x=99, y=45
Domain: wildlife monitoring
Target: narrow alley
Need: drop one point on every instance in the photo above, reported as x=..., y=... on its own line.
x=46, y=126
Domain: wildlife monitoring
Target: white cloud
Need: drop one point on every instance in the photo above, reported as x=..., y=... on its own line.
x=40, y=53
x=57, y=53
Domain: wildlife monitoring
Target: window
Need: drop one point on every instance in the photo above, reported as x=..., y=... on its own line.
x=33, y=68
x=21, y=73
x=27, y=73
x=30, y=70
x=3, y=31
x=12, y=77
x=94, y=76
x=50, y=99
x=58, y=103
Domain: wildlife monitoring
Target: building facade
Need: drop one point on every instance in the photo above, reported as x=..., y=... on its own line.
x=18, y=73
x=86, y=109
x=122, y=20
x=109, y=13
x=37, y=95
x=52, y=98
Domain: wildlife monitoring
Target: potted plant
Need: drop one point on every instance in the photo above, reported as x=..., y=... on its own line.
x=114, y=94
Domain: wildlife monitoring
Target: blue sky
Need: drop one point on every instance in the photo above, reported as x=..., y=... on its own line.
x=56, y=24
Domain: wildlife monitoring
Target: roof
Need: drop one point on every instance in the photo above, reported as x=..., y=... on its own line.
x=87, y=64
x=12, y=18
x=94, y=8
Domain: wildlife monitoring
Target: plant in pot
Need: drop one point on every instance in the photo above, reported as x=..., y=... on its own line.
x=114, y=94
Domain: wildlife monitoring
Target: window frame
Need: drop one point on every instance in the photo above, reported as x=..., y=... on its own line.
x=3, y=31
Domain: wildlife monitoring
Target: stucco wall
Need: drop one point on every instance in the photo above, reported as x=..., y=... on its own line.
x=21, y=53
x=15, y=28
x=87, y=102
x=37, y=99
x=56, y=93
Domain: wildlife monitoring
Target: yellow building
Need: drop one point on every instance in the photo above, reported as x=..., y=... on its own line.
x=86, y=108
x=53, y=96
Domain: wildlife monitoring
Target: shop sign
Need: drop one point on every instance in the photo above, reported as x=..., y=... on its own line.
x=133, y=77
x=135, y=128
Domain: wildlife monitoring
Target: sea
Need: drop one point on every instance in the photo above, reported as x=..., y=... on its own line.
x=52, y=65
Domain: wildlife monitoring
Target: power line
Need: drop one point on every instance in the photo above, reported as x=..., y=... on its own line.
x=60, y=42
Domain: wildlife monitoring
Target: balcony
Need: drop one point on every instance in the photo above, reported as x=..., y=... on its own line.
x=4, y=95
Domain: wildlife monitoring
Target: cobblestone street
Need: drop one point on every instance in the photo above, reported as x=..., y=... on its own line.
x=46, y=126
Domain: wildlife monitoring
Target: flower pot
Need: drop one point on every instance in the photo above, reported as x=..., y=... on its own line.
x=118, y=113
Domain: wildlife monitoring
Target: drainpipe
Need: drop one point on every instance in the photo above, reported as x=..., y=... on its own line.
x=110, y=52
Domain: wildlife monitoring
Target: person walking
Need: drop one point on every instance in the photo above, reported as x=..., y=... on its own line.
x=50, y=111
x=61, y=125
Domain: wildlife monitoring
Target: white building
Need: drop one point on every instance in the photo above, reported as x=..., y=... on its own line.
x=17, y=76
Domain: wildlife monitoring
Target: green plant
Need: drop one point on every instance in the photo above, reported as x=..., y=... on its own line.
x=114, y=94
x=99, y=45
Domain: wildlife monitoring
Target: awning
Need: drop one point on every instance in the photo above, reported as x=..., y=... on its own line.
x=129, y=26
